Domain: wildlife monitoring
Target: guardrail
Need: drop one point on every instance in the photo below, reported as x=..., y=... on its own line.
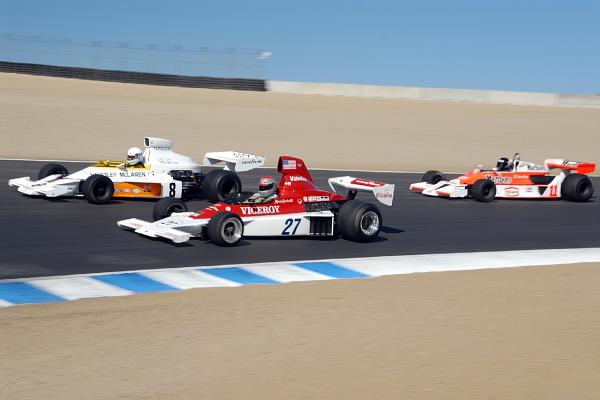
x=134, y=77
x=435, y=94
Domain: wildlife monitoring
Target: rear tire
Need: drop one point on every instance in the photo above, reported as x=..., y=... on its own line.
x=433, y=177
x=225, y=229
x=358, y=221
x=98, y=189
x=52, y=169
x=220, y=184
x=167, y=206
x=483, y=190
x=577, y=187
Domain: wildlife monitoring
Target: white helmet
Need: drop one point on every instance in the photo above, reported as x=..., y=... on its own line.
x=135, y=156
x=266, y=186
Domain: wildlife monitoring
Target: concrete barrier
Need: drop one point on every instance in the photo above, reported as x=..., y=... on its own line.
x=436, y=94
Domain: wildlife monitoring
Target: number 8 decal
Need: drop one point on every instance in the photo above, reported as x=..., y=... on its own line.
x=172, y=189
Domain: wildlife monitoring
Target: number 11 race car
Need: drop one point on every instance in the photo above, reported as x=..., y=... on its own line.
x=155, y=173
x=296, y=208
x=514, y=179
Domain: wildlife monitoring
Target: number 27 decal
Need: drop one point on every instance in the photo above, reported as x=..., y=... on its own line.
x=288, y=225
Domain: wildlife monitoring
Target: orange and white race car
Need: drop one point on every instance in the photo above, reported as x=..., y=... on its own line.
x=514, y=179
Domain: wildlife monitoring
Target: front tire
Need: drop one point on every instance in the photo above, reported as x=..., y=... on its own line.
x=52, y=169
x=483, y=190
x=220, y=184
x=225, y=229
x=577, y=187
x=433, y=177
x=358, y=221
x=167, y=206
x=98, y=189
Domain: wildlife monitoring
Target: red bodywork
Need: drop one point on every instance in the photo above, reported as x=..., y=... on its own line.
x=295, y=188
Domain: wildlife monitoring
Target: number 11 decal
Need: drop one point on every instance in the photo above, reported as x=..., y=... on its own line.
x=288, y=225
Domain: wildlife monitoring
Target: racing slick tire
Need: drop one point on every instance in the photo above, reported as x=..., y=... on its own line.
x=167, y=206
x=577, y=187
x=483, y=190
x=433, y=177
x=98, y=189
x=358, y=221
x=219, y=184
x=52, y=169
x=225, y=229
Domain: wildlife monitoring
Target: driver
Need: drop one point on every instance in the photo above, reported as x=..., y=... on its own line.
x=503, y=164
x=266, y=191
x=135, y=157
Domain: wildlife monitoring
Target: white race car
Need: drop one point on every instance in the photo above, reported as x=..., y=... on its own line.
x=163, y=173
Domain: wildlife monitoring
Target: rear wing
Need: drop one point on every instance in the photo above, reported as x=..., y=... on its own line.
x=384, y=192
x=234, y=161
x=577, y=166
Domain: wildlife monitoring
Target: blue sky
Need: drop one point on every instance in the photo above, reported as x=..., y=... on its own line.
x=487, y=44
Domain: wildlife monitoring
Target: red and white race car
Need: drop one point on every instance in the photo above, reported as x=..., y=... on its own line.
x=514, y=179
x=298, y=208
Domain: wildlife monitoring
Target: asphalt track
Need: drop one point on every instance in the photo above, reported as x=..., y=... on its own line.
x=41, y=237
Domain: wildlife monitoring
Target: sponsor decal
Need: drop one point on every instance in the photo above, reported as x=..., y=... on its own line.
x=117, y=190
x=132, y=174
x=314, y=199
x=137, y=190
x=250, y=162
x=571, y=163
x=298, y=179
x=287, y=183
x=227, y=208
x=283, y=201
x=170, y=222
x=529, y=190
x=289, y=164
x=365, y=182
x=500, y=180
x=511, y=191
x=148, y=188
x=260, y=210
x=127, y=190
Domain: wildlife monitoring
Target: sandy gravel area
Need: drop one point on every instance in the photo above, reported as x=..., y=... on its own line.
x=527, y=333
x=72, y=119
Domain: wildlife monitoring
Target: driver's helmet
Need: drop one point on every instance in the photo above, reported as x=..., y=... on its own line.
x=135, y=156
x=502, y=164
x=266, y=186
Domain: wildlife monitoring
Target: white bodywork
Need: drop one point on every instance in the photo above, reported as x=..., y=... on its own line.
x=179, y=227
x=159, y=160
x=384, y=192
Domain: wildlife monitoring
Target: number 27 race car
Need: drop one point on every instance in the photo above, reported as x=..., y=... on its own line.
x=514, y=179
x=155, y=173
x=296, y=208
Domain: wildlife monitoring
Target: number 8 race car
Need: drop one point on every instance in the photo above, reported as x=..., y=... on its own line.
x=514, y=179
x=298, y=209
x=160, y=173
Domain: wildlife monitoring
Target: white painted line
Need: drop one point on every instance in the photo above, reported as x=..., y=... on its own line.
x=4, y=303
x=385, y=265
x=188, y=279
x=394, y=265
x=286, y=273
x=78, y=288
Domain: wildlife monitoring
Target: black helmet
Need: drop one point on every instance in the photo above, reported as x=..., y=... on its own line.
x=502, y=164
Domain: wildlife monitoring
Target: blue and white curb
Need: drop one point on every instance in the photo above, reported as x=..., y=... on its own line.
x=74, y=287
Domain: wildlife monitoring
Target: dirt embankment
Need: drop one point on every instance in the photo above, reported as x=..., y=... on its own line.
x=72, y=119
